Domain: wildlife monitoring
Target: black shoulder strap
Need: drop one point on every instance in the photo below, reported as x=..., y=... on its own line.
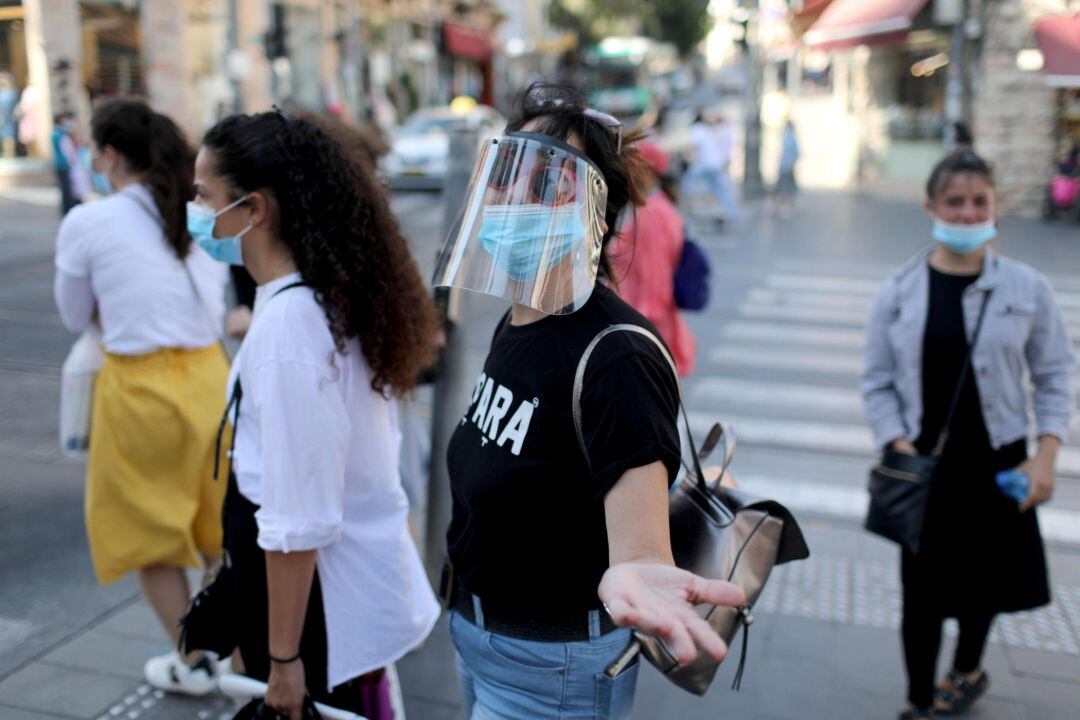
x=579, y=389
x=955, y=403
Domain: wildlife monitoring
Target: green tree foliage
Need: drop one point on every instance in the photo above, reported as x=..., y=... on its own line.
x=684, y=23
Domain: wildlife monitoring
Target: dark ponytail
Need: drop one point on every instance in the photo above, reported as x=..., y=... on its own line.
x=153, y=146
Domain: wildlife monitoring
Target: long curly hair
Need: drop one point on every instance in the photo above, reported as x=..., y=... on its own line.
x=335, y=218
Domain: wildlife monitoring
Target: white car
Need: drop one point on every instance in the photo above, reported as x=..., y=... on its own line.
x=419, y=149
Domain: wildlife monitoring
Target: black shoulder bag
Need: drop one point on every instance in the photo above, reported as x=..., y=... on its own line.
x=900, y=483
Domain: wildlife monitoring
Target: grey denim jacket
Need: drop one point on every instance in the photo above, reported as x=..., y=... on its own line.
x=1023, y=336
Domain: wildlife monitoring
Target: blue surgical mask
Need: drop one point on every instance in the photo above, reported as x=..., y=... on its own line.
x=200, y=224
x=100, y=181
x=522, y=237
x=964, y=239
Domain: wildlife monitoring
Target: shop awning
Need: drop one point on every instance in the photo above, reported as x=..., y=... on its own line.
x=1059, y=41
x=467, y=42
x=847, y=23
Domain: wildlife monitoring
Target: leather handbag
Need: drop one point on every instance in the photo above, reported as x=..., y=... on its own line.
x=899, y=484
x=210, y=620
x=716, y=532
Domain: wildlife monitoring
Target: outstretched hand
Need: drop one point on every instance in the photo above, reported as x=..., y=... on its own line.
x=659, y=599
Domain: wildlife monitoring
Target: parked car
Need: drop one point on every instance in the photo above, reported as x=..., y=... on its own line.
x=419, y=148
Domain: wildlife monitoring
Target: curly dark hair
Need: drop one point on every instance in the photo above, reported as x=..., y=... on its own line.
x=153, y=146
x=561, y=112
x=335, y=218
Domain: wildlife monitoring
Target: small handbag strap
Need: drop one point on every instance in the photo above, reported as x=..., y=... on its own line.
x=939, y=448
x=579, y=389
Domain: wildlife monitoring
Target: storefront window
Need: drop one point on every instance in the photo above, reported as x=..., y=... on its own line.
x=112, y=62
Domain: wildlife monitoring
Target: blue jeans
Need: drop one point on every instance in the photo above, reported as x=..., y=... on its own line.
x=504, y=678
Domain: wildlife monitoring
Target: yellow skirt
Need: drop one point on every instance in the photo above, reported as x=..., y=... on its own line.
x=150, y=494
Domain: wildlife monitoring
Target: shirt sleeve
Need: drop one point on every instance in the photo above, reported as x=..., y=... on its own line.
x=304, y=431
x=878, y=382
x=1050, y=361
x=72, y=254
x=75, y=301
x=629, y=415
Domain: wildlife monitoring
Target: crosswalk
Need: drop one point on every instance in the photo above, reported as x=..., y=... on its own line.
x=784, y=371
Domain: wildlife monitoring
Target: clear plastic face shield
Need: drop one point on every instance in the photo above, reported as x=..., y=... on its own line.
x=532, y=227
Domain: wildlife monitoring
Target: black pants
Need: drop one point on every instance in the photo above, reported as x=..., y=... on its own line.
x=921, y=632
x=67, y=192
x=248, y=564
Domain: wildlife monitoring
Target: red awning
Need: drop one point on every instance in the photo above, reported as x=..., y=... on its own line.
x=847, y=23
x=467, y=42
x=1059, y=40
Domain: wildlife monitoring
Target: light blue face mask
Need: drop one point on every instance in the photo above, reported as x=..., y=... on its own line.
x=964, y=239
x=100, y=181
x=200, y=224
x=522, y=237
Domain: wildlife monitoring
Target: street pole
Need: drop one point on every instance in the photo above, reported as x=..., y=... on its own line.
x=234, y=47
x=451, y=388
x=753, y=185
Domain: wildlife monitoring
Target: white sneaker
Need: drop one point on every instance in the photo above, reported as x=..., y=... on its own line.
x=168, y=672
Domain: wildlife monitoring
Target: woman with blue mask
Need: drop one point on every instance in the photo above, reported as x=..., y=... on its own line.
x=981, y=552
x=554, y=556
x=328, y=586
x=127, y=263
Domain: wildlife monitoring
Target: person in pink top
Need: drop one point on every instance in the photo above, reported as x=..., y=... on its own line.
x=647, y=255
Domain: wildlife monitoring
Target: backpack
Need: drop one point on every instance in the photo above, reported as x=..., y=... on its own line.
x=692, y=278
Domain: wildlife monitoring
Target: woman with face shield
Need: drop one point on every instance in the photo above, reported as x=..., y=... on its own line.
x=555, y=556
x=939, y=380
x=127, y=263
x=328, y=584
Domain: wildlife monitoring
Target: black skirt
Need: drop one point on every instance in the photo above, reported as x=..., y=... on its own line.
x=248, y=564
x=979, y=553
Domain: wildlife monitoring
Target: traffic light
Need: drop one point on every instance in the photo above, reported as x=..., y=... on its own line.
x=276, y=36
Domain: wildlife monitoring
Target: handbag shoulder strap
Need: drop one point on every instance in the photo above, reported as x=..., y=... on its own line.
x=939, y=448
x=579, y=389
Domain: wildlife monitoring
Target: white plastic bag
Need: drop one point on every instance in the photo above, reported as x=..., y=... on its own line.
x=77, y=380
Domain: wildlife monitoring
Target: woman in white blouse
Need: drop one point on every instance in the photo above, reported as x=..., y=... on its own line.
x=329, y=584
x=151, y=503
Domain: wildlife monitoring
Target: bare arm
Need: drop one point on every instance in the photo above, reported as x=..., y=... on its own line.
x=642, y=588
x=288, y=581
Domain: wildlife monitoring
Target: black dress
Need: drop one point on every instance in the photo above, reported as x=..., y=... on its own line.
x=979, y=553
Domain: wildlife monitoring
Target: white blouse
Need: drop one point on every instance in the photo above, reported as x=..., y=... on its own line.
x=111, y=256
x=317, y=451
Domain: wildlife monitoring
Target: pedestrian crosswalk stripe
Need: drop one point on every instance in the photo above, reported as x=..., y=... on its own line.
x=825, y=335
x=834, y=283
x=765, y=296
x=837, y=316
x=826, y=437
x=721, y=392
x=850, y=502
x=761, y=356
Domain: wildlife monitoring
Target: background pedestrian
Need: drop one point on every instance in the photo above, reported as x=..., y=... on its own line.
x=646, y=255
x=981, y=551
x=128, y=263
x=328, y=584
x=786, y=185
x=65, y=161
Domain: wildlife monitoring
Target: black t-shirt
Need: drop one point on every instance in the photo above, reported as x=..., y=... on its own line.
x=945, y=348
x=528, y=527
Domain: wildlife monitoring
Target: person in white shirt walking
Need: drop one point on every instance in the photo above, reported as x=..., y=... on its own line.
x=714, y=143
x=151, y=503
x=329, y=586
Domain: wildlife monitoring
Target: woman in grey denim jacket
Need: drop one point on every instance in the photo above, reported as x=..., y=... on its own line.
x=981, y=552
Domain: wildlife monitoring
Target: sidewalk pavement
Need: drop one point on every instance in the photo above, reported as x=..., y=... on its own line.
x=824, y=646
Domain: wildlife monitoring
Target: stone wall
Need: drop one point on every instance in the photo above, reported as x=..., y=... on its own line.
x=1014, y=111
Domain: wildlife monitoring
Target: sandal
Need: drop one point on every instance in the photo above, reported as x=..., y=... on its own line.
x=916, y=714
x=967, y=692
